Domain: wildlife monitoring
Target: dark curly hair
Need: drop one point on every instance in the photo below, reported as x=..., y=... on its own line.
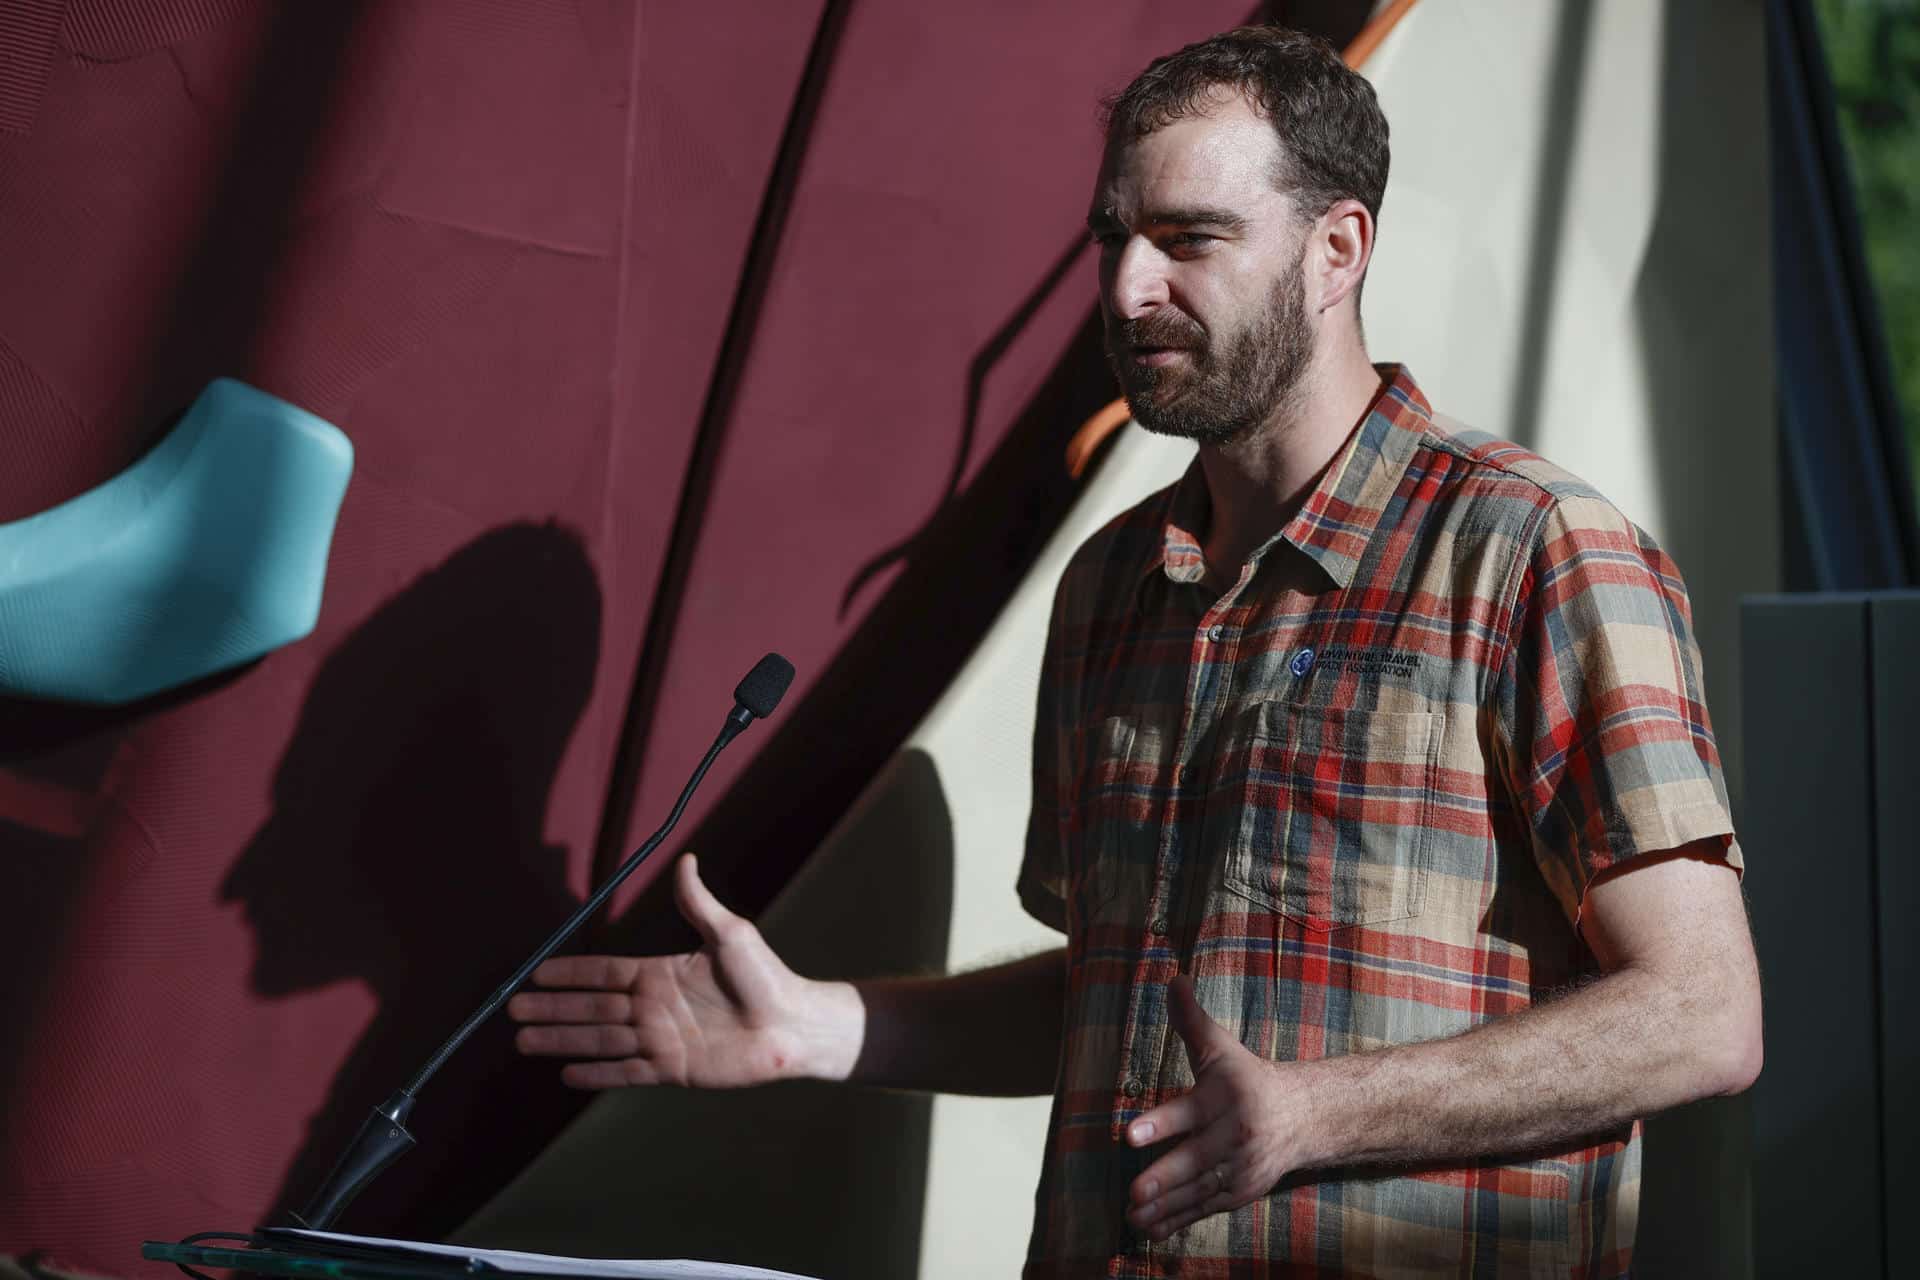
x=1333, y=138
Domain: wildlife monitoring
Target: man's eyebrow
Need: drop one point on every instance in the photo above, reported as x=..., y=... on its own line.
x=1195, y=216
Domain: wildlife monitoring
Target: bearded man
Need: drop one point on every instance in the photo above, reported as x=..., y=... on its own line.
x=1374, y=790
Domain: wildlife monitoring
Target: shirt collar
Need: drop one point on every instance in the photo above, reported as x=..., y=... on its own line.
x=1338, y=519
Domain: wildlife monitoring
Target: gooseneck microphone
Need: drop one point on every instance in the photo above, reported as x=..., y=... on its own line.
x=384, y=1137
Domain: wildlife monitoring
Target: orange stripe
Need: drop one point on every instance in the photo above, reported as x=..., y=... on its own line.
x=1374, y=32
x=1092, y=434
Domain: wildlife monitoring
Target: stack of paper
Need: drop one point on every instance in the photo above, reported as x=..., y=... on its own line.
x=545, y=1264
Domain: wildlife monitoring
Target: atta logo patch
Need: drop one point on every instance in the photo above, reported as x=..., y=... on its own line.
x=1393, y=663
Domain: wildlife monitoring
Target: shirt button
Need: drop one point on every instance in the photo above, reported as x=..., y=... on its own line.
x=1215, y=631
x=1158, y=926
x=1132, y=1087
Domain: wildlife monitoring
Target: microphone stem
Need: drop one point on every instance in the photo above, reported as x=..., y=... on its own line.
x=736, y=721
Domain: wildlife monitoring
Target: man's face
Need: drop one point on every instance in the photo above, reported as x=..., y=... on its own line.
x=1201, y=282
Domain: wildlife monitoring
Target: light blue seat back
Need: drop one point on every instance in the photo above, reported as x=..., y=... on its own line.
x=207, y=553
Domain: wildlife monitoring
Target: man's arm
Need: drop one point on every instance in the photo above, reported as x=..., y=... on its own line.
x=733, y=1014
x=1675, y=1017
x=993, y=1031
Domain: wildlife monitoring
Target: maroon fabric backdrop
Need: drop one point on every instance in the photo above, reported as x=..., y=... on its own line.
x=501, y=244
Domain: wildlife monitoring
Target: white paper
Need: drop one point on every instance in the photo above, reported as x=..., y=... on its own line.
x=510, y=1260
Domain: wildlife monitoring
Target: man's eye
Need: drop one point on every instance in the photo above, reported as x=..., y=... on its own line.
x=1189, y=240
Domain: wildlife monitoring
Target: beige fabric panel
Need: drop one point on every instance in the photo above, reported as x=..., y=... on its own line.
x=1573, y=254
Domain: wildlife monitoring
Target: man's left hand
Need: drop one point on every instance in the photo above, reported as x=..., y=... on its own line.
x=1241, y=1124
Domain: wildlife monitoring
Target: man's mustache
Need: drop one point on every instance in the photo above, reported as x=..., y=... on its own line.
x=1163, y=328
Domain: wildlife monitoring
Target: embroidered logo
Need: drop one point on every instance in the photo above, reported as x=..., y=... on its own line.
x=1397, y=663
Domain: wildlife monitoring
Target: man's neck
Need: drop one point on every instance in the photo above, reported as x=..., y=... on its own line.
x=1258, y=483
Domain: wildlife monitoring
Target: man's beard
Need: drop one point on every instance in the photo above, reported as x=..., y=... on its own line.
x=1230, y=385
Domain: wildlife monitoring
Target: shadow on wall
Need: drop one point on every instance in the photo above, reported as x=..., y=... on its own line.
x=222, y=306
x=1703, y=307
x=1566, y=81
x=404, y=851
x=983, y=363
x=817, y=1178
x=822, y=752
x=60, y=832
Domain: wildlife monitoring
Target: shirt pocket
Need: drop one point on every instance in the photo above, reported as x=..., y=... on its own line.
x=1334, y=813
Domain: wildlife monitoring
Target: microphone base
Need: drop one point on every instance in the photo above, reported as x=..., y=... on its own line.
x=382, y=1139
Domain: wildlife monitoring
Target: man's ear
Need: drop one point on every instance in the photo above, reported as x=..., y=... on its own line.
x=1340, y=249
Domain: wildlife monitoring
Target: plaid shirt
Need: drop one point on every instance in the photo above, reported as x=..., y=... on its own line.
x=1359, y=797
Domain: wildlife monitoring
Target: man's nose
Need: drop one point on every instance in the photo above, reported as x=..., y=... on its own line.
x=1136, y=280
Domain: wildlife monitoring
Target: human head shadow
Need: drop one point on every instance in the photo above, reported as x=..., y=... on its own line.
x=404, y=851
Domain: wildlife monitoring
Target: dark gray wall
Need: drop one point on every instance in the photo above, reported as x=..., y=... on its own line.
x=1833, y=770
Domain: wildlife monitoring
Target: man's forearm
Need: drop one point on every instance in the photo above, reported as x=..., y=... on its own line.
x=993, y=1031
x=1632, y=1043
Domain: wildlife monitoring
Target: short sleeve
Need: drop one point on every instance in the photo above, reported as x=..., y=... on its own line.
x=1042, y=883
x=1600, y=707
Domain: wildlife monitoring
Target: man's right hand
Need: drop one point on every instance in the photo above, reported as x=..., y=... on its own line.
x=727, y=1015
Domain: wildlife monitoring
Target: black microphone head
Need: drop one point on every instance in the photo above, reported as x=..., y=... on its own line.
x=765, y=685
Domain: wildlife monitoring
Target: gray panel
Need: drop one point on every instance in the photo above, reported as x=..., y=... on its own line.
x=1807, y=836
x=1896, y=755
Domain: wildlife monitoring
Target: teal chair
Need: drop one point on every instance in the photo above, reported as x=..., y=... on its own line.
x=207, y=553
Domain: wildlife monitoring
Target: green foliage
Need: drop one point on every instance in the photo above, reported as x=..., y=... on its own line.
x=1873, y=51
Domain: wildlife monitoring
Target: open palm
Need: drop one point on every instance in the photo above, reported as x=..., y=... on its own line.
x=727, y=1015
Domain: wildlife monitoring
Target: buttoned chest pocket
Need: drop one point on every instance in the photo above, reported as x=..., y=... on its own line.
x=1114, y=811
x=1336, y=813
